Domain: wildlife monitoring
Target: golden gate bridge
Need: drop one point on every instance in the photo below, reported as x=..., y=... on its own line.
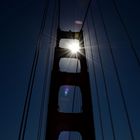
x=76, y=121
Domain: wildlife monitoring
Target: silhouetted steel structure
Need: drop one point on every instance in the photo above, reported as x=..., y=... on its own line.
x=59, y=121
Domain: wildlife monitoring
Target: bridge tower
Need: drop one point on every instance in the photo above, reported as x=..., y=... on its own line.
x=59, y=121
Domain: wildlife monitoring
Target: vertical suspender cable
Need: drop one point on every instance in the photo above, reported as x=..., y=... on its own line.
x=104, y=79
x=42, y=109
x=31, y=81
x=117, y=74
x=96, y=86
x=126, y=31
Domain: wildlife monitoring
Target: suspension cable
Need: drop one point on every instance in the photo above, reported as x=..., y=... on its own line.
x=117, y=73
x=96, y=86
x=45, y=81
x=127, y=32
x=27, y=99
x=31, y=81
x=85, y=16
x=86, y=13
x=104, y=78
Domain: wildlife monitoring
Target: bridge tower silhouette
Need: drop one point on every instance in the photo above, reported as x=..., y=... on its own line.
x=82, y=122
x=60, y=121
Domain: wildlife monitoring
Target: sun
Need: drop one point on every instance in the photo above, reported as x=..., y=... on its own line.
x=74, y=46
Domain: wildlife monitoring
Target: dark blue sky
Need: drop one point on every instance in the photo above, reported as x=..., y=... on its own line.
x=19, y=27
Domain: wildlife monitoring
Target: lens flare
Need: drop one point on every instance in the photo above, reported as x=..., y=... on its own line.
x=74, y=46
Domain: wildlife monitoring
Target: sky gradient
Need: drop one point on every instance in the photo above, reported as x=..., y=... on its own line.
x=20, y=25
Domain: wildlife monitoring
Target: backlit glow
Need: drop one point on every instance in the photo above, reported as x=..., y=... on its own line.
x=74, y=46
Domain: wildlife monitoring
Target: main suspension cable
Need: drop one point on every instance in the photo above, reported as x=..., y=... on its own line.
x=31, y=80
x=42, y=108
x=27, y=99
x=117, y=72
x=86, y=14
